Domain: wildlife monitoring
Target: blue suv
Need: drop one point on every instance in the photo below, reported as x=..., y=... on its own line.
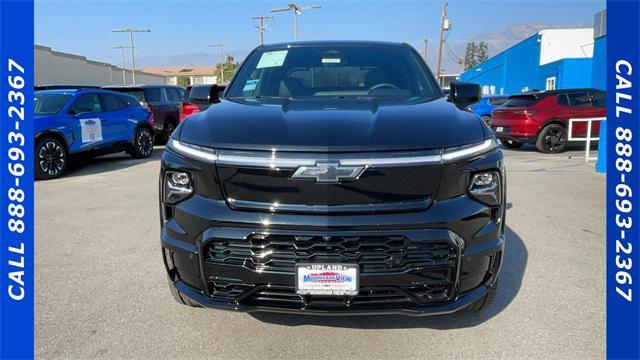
x=486, y=105
x=87, y=121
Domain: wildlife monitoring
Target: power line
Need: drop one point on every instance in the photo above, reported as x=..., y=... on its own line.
x=261, y=27
x=278, y=30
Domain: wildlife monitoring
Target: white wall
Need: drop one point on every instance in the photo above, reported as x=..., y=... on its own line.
x=53, y=67
x=557, y=44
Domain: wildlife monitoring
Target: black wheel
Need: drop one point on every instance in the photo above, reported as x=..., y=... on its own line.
x=51, y=158
x=142, y=143
x=167, y=130
x=552, y=139
x=179, y=298
x=485, y=301
x=486, y=118
x=511, y=144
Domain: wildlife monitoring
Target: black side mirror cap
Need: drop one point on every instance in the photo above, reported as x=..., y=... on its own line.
x=463, y=94
x=213, y=95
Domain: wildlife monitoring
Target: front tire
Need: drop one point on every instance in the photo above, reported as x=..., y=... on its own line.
x=51, y=158
x=552, y=139
x=167, y=130
x=486, y=119
x=511, y=144
x=142, y=143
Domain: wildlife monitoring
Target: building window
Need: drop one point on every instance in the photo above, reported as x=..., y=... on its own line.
x=551, y=83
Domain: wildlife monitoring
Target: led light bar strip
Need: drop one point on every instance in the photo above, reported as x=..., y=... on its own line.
x=291, y=161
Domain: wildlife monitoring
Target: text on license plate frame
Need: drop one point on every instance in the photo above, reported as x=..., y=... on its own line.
x=309, y=278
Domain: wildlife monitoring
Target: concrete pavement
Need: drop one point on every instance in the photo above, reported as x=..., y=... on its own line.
x=102, y=291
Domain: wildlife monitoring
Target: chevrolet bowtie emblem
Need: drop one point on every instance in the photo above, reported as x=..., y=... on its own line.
x=328, y=172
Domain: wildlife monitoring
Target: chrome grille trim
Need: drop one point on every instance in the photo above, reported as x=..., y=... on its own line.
x=289, y=160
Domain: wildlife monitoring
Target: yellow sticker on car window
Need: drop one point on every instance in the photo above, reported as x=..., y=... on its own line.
x=272, y=59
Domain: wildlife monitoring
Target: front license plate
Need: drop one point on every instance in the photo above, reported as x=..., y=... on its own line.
x=327, y=279
x=499, y=129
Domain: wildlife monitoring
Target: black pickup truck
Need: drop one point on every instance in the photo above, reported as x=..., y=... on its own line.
x=334, y=178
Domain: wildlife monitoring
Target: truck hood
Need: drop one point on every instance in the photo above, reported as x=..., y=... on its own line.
x=332, y=124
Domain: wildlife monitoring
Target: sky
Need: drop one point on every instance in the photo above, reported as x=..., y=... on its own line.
x=182, y=27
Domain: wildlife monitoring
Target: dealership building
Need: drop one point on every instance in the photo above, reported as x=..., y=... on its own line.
x=186, y=75
x=55, y=67
x=548, y=60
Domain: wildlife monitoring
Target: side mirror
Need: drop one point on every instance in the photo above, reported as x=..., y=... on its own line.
x=463, y=94
x=213, y=95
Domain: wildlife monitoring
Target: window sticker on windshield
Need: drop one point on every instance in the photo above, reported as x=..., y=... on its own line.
x=331, y=60
x=250, y=85
x=91, y=130
x=272, y=59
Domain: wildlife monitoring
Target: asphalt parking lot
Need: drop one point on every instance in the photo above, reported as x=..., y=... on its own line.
x=102, y=291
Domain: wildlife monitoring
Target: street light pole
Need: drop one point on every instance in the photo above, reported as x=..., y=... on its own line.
x=124, y=78
x=133, y=61
x=222, y=60
x=297, y=10
x=295, y=25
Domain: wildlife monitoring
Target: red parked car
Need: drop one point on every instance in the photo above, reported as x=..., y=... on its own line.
x=542, y=118
x=187, y=107
x=200, y=97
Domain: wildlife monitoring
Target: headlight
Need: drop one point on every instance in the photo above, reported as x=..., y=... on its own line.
x=177, y=186
x=485, y=187
x=459, y=152
x=192, y=151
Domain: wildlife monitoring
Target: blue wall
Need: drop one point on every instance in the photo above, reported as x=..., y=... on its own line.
x=509, y=71
x=598, y=80
x=517, y=69
x=569, y=73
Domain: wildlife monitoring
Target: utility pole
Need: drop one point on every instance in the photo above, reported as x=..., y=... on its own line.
x=124, y=78
x=426, y=47
x=297, y=10
x=133, y=60
x=261, y=27
x=443, y=19
x=222, y=60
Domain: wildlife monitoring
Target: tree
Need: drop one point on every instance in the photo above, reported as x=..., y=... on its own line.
x=470, y=56
x=475, y=54
x=482, y=52
x=229, y=68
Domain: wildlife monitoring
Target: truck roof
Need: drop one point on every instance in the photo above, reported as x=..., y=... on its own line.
x=332, y=43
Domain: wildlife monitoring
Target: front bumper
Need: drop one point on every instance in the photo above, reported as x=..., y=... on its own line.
x=426, y=310
x=471, y=229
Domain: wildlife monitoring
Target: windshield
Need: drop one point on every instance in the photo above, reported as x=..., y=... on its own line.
x=334, y=71
x=49, y=104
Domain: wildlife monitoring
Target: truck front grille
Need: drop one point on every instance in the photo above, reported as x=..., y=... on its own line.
x=374, y=254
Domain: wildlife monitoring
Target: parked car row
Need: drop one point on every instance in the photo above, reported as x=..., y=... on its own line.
x=541, y=118
x=90, y=121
